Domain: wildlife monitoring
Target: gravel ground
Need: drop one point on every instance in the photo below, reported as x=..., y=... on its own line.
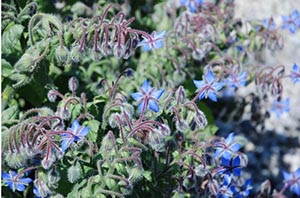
x=277, y=147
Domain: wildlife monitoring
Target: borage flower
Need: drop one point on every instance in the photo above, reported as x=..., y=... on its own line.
x=14, y=181
x=208, y=87
x=192, y=5
x=295, y=73
x=232, y=166
x=279, y=107
x=147, y=97
x=293, y=181
x=291, y=22
x=78, y=133
x=155, y=41
x=227, y=148
x=237, y=80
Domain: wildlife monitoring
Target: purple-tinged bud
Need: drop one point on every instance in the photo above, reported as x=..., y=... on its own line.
x=181, y=125
x=201, y=171
x=41, y=189
x=119, y=51
x=156, y=141
x=53, y=177
x=47, y=163
x=73, y=84
x=65, y=114
x=200, y=119
x=52, y=95
x=107, y=49
x=113, y=120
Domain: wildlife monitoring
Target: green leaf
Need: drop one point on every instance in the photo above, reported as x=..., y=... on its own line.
x=10, y=38
x=94, y=127
x=6, y=69
x=147, y=175
x=10, y=113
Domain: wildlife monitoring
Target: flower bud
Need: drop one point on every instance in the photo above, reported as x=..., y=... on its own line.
x=181, y=125
x=15, y=160
x=135, y=174
x=47, y=163
x=73, y=84
x=74, y=173
x=65, y=114
x=200, y=119
x=119, y=51
x=51, y=96
x=156, y=141
x=113, y=121
x=53, y=176
x=62, y=54
x=75, y=54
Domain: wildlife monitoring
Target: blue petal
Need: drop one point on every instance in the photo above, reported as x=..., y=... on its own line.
x=26, y=180
x=229, y=138
x=295, y=68
x=75, y=125
x=83, y=132
x=225, y=162
x=183, y=2
x=227, y=180
x=202, y=95
x=287, y=176
x=158, y=44
x=227, y=155
x=235, y=147
x=217, y=86
x=296, y=188
x=20, y=187
x=199, y=83
x=237, y=171
x=161, y=35
x=157, y=93
x=297, y=173
x=210, y=76
x=65, y=145
x=5, y=175
x=136, y=96
x=212, y=95
x=236, y=161
x=295, y=14
x=146, y=47
x=153, y=106
x=140, y=107
x=146, y=86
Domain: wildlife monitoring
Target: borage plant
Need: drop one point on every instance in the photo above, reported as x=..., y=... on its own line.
x=86, y=114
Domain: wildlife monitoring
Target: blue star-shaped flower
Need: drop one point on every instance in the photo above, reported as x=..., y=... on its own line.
x=231, y=166
x=227, y=148
x=78, y=133
x=226, y=189
x=208, y=87
x=14, y=181
x=269, y=24
x=192, y=5
x=279, y=107
x=244, y=190
x=293, y=180
x=291, y=22
x=155, y=41
x=237, y=80
x=295, y=73
x=147, y=97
